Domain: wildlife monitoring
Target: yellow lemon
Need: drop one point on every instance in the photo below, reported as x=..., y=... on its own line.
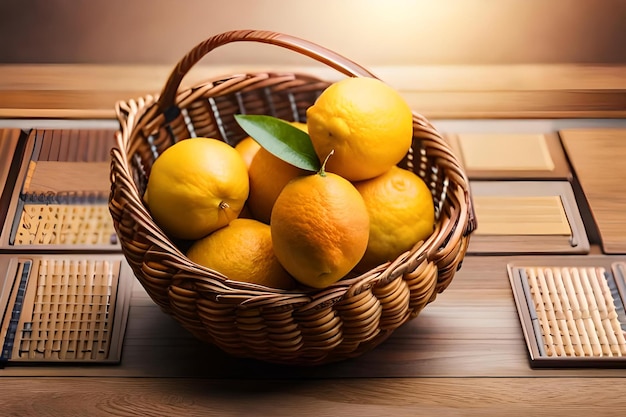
x=366, y=122
x=401, y=211
x=195, y=187
x=242, y=251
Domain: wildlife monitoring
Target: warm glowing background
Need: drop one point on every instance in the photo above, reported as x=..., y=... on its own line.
x=372, y=32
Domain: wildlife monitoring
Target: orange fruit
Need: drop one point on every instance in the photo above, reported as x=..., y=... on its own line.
x=195, y=187
x=268, y=175
x=242, y=251
x=247, y=148
x=367, y=123
x=402, y=213
x=320, y=228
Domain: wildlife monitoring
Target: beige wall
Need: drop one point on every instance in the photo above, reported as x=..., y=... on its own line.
x=372, y=32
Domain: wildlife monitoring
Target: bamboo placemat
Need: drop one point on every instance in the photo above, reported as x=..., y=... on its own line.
x=72, y=145
x=511, y=155
x=573, y=314
x=597, y=157
x=527, y=217
x=521, y=215
x=64, y=309
x=64, y=224
x=60, y=199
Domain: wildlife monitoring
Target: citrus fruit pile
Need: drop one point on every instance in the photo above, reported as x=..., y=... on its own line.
x=299, y=204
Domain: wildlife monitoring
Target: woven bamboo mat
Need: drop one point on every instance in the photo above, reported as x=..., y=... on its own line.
x=64, y=224
x=64, y=308
x=60, y=198
x=572, y=313
x=72, y=145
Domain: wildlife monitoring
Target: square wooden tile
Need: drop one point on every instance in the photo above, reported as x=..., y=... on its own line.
x=597, y=157
x=526, y=217
x=510, y=155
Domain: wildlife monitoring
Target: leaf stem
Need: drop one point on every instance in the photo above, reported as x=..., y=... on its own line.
x=322, y=171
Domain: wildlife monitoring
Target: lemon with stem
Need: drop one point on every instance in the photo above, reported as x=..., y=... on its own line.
x=195, y=187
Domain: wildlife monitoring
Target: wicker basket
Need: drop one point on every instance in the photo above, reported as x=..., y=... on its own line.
x=245, y=320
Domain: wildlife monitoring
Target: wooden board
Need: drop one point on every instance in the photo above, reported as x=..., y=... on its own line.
x=57, y=176
x=9, y=139
x=515, y=215
x=9, y=145
x=570, y=396
x=515, y=152
x=510, y=155
x=436, y=91
x=598, y=158
x=527, y=217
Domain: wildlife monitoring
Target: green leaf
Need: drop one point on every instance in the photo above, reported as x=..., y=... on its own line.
x=281, y=139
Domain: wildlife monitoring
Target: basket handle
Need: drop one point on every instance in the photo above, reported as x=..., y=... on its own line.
x=312, y=50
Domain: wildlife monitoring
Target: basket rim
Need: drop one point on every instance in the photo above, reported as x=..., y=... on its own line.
x=131, y=112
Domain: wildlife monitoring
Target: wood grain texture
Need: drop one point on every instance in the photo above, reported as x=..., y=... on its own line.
x=531, y=215
x=59, y=176
x=8, y=144
x=497, y=91
x=515, y=152
x=315, y=397
x=496, y=204
x=597, y=157
x=511, y=155
x=464, y=355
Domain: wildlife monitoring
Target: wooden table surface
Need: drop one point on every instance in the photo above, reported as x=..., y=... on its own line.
x=438, y=92
x=464, y=355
